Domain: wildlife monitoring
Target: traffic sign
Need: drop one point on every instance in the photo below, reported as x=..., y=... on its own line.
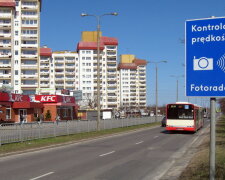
x=205, y=57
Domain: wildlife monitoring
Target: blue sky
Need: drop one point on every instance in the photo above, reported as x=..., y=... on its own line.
x=149, y=29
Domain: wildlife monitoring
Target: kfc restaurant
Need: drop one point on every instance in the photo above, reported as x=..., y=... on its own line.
x=18, y=108
x=57, y=105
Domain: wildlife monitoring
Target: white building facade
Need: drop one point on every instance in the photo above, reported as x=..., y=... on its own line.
x=20, y=40
x=87, y=52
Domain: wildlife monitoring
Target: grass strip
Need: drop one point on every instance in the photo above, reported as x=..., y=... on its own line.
x=198, y=168
x=41, y=143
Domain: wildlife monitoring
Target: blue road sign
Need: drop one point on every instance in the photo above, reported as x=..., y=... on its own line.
x=205, y=57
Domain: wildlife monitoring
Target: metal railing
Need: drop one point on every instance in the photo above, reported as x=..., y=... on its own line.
x=11, y=133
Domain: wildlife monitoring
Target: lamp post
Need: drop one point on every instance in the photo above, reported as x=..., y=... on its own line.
x=156, y=85
x=98, y=17
x=177, y=78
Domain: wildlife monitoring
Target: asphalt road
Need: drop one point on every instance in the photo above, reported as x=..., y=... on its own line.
x=144, y=154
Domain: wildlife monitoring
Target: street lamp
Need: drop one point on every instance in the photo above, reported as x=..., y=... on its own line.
x=98, y=17
x=156, y=85
x=177, y=77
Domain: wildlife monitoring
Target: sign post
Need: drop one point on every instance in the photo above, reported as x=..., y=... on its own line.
x=205, y=67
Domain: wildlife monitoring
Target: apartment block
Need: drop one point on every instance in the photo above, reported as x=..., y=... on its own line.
x=58, y=71
x=132, y=82
x=87, y=82
x=19, y=44
x=64, y=70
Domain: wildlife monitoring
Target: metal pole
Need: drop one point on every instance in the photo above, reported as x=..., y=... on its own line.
x=156, y=92
x=212, y=138
x=177, y=89
x=98, y=73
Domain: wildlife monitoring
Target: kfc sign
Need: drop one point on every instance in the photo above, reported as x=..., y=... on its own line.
x=68, y=99
x=19, y=98
x=46, y=98
x=55, y=98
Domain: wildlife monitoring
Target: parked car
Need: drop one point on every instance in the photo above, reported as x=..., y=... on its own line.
x=163, y=122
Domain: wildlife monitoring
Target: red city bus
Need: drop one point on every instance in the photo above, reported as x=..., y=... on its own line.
x=184, y=116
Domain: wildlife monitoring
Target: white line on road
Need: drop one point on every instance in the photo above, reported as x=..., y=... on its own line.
x=139, y=142
x=106, y=153
x=42, y=176
x=156, y=137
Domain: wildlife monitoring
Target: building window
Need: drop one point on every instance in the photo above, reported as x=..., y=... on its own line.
x=16, y=72
x=16, y=33
x=16, y=61
x=16, y=52
x=16, y=82
x=16, y=43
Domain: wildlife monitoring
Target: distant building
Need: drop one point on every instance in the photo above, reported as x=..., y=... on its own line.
x=87, y=51
x=132, y=82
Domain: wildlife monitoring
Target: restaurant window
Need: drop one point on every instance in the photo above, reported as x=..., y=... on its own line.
x=8, y=113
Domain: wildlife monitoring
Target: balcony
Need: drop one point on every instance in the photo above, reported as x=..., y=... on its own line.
x=5, y=55
x=44, y=85
x=59, y=78
x=29, y=36
x=5, y=26
x=29, y=66
x=44, y=78
x=70, y=85
x=44, y=73
x=5, y=76
x=70, y=79
x=35, y=85
x=69, y=73
x=59, y=61
x=26, y=6
x=6, y=15
x=29, y=16
x=59, y=67
x=8, y=66
x=5, y=35
x=29, y=56
x=29, y=46
x=59, y=73
x=44, y=67
x=70, y=67
x=29, y=76
x=70, y=61
x=5, y=45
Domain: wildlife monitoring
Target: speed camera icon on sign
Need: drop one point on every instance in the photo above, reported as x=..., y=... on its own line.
x=203, y=64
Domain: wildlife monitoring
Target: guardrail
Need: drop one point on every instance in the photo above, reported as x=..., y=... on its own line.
x=11, y=133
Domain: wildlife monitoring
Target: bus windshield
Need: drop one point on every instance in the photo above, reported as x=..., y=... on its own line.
x=180, y=111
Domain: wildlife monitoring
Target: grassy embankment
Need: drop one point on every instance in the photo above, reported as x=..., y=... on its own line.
x=198, y=168
x=39, y=143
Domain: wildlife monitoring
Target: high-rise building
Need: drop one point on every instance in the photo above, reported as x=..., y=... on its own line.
x=58, y=71
x=19, y=44
x=87, y=51
x=132, y=82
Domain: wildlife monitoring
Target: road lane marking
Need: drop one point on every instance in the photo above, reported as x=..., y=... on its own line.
x=156, y=137
x=139, y=142
x=106, y=153
x=42, y=176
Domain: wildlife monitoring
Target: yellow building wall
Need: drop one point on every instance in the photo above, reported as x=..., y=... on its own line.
x=89, y=36
x=127, y=58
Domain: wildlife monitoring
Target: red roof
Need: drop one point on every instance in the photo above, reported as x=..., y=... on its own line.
x=127, y=66
x=140, y=62
x=89, y=45
x=109, y=40
x=93, y=45
x=45, y=51
x=7, y=3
